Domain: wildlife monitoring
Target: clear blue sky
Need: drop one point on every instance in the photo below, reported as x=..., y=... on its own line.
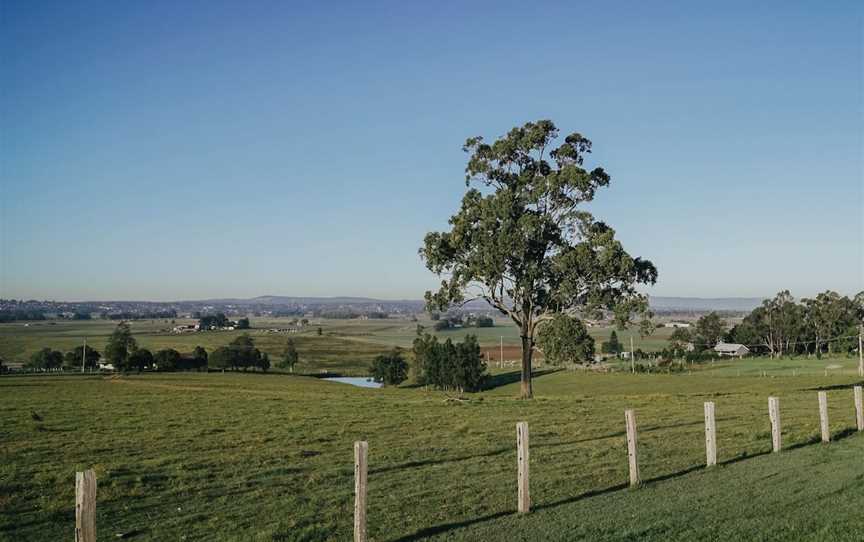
x=165, y=150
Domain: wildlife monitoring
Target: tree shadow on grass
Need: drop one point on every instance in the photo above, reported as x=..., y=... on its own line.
x=444, y=527
x=503, y=379
x=834, y=387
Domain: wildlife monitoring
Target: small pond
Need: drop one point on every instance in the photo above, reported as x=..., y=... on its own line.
x=359, y=381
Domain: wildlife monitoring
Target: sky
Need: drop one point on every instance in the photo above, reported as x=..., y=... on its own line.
x=191, y=150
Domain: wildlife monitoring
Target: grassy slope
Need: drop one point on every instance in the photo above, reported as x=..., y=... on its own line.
x=347, y=346
x=269, y=457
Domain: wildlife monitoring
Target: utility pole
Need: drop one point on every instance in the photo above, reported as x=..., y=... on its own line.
x=632, y=355
x=84, y=355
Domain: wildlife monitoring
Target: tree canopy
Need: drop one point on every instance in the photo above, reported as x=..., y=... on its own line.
x=522, y=242
x=565, y=339
x=391, y=369
x=289, y=356
x=120, y=345
x=73, y=359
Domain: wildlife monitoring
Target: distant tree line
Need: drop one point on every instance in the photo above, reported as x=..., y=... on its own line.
x=828, y=323
x=219, y=320
x=240, y=354
x=349, y=314
x=149, y=315
x=124, y=354
x=451, y=321
x=21, y=315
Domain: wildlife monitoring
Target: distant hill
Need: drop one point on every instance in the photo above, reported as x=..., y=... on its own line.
x=277, y=300
x=737, y=304
x=742, y=304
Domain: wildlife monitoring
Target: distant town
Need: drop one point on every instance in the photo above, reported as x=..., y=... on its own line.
x=309, y=307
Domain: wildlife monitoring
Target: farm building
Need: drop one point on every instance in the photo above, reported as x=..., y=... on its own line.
x=732, y=350
x=677, y=324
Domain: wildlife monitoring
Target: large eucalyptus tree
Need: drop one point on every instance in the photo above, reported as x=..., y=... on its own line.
x=522, y=242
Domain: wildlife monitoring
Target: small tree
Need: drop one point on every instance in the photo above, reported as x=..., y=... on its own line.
x=565, y=339
x=289, y=356
x=140, y=359
x=612, y=346
x=120, y=345
x=221, y=358
x=243, y=323
x=167, y=359
x=710, y=330
x=264, y=362
x=245, y=353
x=390, y=369
x=46, y=360
x=199, y=358
x=72, y=360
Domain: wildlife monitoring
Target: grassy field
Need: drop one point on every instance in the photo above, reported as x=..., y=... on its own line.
x=269, y=457
x=346, y=346
x=317, y=353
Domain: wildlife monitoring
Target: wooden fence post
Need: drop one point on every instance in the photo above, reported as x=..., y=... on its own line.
x=85, y=506
x=630, y=418
x=710, y=435
x=859, y=407
x=361, y=456
x=774, y=414
x=823, y=416
x=522, y=466
x=861, y=351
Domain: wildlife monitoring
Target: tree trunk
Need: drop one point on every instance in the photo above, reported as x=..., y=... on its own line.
x=527, y=352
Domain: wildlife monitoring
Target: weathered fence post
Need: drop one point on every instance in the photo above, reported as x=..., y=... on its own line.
x=710, y=435
x=859, y=407
x=522, y=465
x=85, y=506
x=774, y=414
x=823, y=416
x=361, y=453
x=630, y=417
x=861, y=351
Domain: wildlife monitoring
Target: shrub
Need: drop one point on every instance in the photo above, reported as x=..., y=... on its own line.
x=565, y=340
x=390, y=369
x=449, y=365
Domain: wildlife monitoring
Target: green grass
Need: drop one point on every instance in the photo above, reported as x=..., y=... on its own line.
x=317, y=353
x=346, y=346
x=269, y=457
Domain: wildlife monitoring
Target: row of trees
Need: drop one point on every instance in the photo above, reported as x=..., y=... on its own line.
x=219, y=320
x=444, y=365
x=48, y=359
x=124, y=354
x=452, y=321
x=827, y=323
x=448, y=365
x=240, y=354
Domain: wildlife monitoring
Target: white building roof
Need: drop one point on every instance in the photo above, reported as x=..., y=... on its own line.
x=729, y=347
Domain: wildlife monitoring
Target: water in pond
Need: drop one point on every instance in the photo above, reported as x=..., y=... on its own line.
x=360, y=381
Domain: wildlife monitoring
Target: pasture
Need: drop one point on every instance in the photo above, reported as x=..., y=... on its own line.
x=269, y=457
x=345, y=346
